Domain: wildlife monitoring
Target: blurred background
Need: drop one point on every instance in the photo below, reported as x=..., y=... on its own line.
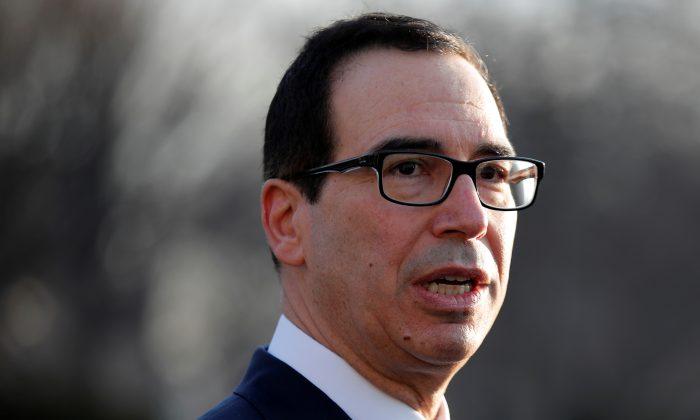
x=134, y=278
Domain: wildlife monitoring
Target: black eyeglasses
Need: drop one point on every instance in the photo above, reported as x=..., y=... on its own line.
x=426, y=179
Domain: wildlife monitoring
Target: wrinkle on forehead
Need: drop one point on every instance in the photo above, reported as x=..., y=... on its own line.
x=454, y=110
x=438, y=111
x=380, y=93
x=446, y=121
x=436, y=77
x=414, y=99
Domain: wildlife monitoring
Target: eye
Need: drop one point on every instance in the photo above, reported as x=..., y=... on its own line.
x=493, y=172
x=412, y=166
x=406, y=168
x=409, y=167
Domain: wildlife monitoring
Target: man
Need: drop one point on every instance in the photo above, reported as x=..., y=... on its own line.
x=389, y=180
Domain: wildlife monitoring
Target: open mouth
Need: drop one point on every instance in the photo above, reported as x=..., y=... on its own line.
x=450, y=285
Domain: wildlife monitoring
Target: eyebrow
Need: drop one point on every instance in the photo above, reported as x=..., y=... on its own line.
x=408, y=143
x=494, y=149
x=487, y=149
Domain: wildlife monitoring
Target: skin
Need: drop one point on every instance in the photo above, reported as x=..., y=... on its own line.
x=350, y=260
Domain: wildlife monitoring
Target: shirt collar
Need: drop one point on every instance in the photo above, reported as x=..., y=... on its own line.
x=354, y=394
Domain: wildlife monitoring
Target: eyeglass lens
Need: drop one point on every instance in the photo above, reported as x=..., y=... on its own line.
x=420, y=179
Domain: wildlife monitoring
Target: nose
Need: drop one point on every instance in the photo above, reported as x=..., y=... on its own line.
x=461, y=213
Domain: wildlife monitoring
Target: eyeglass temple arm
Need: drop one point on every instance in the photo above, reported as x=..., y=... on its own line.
x=345, y=165
x=523, y=174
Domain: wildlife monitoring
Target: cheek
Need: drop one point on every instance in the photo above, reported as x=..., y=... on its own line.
x=500, y=236
x=353, y=258
x=392, y=232
x=363, y=241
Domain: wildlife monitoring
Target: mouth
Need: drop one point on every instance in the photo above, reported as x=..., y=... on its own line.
x=449, y=285
x=452, y=289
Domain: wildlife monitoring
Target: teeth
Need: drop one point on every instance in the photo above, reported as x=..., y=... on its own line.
x=448, y=289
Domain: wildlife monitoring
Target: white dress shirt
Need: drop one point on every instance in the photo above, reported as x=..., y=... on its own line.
x=354, y=394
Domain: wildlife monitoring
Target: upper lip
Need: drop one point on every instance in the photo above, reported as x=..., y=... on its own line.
x=476, y=274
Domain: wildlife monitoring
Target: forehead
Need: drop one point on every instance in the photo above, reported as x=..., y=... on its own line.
x=382, y=94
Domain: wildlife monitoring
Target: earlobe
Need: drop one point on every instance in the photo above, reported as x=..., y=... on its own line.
x=280, y=201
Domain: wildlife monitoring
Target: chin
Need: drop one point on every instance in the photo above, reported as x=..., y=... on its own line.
x=449, y=344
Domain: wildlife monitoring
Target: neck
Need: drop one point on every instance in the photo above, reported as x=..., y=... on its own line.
x=418, y=384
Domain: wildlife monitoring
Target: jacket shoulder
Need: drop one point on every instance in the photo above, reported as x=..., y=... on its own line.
x=272, y=390
x=233, y=407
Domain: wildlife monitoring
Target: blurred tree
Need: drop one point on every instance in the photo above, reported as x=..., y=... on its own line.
x=61, y=64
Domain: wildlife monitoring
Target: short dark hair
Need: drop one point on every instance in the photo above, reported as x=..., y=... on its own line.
x=298, y=129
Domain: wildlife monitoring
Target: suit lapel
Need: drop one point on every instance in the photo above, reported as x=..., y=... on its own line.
x=280, y=392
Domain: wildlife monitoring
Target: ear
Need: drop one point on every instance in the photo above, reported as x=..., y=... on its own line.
x=280, y=205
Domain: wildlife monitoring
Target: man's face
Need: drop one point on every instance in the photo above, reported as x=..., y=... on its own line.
x=369, y=261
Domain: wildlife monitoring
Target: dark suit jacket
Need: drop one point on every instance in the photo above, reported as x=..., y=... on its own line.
x=273, y=390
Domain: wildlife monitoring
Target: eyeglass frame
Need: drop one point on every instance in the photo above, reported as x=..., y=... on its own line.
x=375, y=161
